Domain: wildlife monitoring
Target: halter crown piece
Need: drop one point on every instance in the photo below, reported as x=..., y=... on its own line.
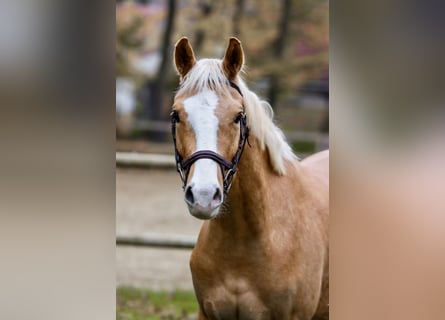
x=228, y=168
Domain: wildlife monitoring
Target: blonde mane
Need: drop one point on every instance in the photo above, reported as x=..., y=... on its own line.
x=208, y=74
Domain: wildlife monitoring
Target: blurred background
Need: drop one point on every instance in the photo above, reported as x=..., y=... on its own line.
x=286, y=53
x=286, y=47
x=58, y=166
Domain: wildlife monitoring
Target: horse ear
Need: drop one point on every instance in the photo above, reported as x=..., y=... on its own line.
x=184, y=57
x=233, y=59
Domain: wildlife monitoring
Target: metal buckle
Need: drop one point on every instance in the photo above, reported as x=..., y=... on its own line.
x=181, y=174
x=228, y=179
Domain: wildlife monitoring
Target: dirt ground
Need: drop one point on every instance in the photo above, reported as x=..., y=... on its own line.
x=150, y=201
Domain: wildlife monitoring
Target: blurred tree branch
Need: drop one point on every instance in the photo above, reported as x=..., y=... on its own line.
x=285, y=42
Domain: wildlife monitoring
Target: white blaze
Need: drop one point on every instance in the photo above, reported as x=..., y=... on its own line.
x=200, y=110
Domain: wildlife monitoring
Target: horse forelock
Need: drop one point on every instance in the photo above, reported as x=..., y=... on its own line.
x=207, y=74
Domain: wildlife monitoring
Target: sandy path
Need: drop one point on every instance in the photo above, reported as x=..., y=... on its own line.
x=150, y=201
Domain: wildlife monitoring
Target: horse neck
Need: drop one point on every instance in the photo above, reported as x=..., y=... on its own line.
x=248, y=209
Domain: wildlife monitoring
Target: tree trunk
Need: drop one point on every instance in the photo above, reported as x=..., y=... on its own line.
x=237, y=17
x=279, y=45
x=283, y=28
x=154, y=89
x=206, y=9
x=166, y=42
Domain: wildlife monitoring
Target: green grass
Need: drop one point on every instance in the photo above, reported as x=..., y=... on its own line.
x=143, y=304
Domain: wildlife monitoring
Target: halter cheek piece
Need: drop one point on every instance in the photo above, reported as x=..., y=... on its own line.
x=228, y=168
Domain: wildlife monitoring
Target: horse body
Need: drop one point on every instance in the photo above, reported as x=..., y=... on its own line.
x=263, y=252
x=266, y=256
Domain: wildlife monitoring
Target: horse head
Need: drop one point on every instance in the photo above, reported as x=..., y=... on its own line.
x=208, y=125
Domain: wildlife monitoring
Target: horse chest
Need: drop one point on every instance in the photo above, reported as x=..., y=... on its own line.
x=221, y=303
x=241, y=295
x=239, y=288
x=236, y=299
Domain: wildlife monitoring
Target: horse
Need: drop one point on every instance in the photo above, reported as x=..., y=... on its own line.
x=262, y=251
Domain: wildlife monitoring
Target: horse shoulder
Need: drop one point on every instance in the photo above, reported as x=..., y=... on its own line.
x=315, y=169
x=318, y=162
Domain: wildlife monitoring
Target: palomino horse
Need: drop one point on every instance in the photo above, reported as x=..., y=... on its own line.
x=262, y=252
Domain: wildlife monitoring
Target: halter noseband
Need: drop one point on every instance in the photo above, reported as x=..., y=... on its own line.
x=228, y=168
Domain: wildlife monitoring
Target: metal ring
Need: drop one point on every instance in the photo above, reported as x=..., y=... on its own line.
x=229, y=172
x=227, y=183
x=181, y=174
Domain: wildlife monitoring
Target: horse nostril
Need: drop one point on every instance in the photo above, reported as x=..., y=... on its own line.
x=189, y=195
x=217, y=195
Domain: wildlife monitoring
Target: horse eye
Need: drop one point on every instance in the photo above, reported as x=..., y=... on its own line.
x=238, y=117
x=174, y=116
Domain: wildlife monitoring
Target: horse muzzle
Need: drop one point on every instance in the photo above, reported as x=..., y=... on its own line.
x=203, y=201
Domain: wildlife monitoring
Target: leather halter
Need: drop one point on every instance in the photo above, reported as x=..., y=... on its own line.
x=228, y=168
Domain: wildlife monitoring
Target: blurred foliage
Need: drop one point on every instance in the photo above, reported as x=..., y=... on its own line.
x=127, y=41
x=259, y=32
x=301, y=147
x=137, y=32
x=143, y=304
x=257, y=23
